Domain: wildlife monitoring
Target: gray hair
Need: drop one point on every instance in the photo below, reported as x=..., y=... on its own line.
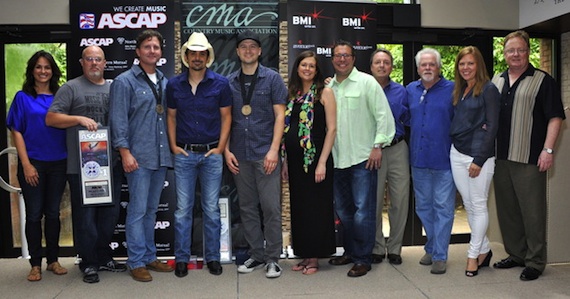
x=431, y=51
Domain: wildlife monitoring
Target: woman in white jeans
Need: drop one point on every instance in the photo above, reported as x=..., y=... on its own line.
x=473, y=132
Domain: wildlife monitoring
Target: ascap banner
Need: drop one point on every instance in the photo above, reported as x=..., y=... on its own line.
x=316, y=26
x=114, y=25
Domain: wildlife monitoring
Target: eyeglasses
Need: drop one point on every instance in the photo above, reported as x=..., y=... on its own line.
x=423, y=95
x=341, y=56
x=519, y=51
x=93, y=59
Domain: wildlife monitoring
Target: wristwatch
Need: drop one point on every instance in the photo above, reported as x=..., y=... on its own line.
x=377, y=145
x=548, y=150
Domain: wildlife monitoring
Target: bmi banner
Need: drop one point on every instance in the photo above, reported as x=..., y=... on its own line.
x=114, y=25
x=316, y=26
x=222, y=21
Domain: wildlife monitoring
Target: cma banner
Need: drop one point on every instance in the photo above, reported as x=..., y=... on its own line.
x=114, y=25
x=316, y=26
x=222, y=21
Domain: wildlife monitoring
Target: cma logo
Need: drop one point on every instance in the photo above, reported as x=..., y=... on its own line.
x=324, y=51
x=302, y=20
x=162, y=224
x=351, y=22
x=162, y=61
x=131, y=20
x=95, y=42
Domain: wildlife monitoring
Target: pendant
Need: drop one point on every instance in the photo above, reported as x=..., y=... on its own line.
x=246, y=110
x=159, y=109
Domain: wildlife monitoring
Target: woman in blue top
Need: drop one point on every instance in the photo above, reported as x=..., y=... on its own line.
x=41, y=160
x=472, y=156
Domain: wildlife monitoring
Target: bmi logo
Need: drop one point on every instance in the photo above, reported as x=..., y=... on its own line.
x=302, y=20
x=351, y=22
x=324, y=51
x=87, y=21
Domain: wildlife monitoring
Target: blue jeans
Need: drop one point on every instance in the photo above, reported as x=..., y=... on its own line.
x=94, y=226
x=187, y=170
x=435, y=206
x=145, y=187
x=43, y=200
x=355, y=204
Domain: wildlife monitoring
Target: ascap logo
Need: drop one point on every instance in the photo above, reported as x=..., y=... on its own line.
x=160, y=62
x=162, y=224
x=95, y=41
x=114, y=245
x=131, y=20
x=93, y=136
x=324, y=51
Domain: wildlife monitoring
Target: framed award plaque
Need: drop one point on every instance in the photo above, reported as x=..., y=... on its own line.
x=96, y=170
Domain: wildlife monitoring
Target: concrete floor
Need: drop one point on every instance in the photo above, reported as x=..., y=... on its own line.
x=409, y=280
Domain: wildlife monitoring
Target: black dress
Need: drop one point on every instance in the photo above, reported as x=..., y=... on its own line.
x=312, y=211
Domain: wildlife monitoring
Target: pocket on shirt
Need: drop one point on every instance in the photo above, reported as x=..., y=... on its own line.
x=353, y=99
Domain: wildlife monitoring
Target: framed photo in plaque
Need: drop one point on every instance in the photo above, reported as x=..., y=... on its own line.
x=96, y=171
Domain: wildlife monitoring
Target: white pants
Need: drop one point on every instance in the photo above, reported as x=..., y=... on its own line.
x=475, y=192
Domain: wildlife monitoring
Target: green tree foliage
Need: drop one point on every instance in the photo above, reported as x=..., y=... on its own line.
x=16, y=60
x=500, y=65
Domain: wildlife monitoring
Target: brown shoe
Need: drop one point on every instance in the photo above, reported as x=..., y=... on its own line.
x=159, y=266
x=359, y=270
x=141, y=274
x=56, y=268
x=340, y=260
x=35, y=274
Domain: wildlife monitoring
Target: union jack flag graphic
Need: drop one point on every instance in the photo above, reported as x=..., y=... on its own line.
x=86, y=21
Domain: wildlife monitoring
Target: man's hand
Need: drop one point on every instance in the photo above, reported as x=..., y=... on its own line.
x=375, y=159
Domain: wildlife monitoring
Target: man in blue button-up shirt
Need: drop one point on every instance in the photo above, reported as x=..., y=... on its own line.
x=138, y=127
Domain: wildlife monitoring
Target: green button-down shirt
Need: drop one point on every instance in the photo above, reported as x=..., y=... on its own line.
x=363, y=118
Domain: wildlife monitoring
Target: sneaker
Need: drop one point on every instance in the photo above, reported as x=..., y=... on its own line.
x=438, y=267
x=426, y=260
x=113, y=266
x=90, y=275
x=249, y=265
x=272, y=270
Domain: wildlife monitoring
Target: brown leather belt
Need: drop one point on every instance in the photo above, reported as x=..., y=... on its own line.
x=198, y=148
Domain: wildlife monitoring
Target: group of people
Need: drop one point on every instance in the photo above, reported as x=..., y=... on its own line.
x=339, y=142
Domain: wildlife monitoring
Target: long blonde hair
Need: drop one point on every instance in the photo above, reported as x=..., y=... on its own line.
x=481, y=76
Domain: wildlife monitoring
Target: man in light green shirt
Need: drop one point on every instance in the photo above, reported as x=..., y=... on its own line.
x=364, y=125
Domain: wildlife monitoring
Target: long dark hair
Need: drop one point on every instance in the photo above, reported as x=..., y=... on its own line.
x=295, y=82
x=30, y=83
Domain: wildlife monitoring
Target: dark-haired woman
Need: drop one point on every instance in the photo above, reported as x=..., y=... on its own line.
x=310, y=130
x=41, y=160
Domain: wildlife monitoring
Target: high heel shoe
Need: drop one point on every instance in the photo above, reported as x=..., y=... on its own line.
x=487, y=260
x=471, y=273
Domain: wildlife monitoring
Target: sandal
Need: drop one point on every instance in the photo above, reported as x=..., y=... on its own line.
x=309, y=270
x=299, y=267
x=35, y=274
x=56, y=268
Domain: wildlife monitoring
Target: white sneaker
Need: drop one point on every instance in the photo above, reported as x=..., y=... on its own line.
x=272, y=270
x=249, y=265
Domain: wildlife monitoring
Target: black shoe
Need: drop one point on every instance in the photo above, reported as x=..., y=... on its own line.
x=487, y=260
x=215, y=267
x=507, y=264
x=530, y=273
x=394, y=259
x=340, y=260
x=377, y=258
x=181, y=269
x=113, y=266
x=90, y=275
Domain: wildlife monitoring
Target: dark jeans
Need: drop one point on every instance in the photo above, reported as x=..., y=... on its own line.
x=43, y=200
x=94, y=226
